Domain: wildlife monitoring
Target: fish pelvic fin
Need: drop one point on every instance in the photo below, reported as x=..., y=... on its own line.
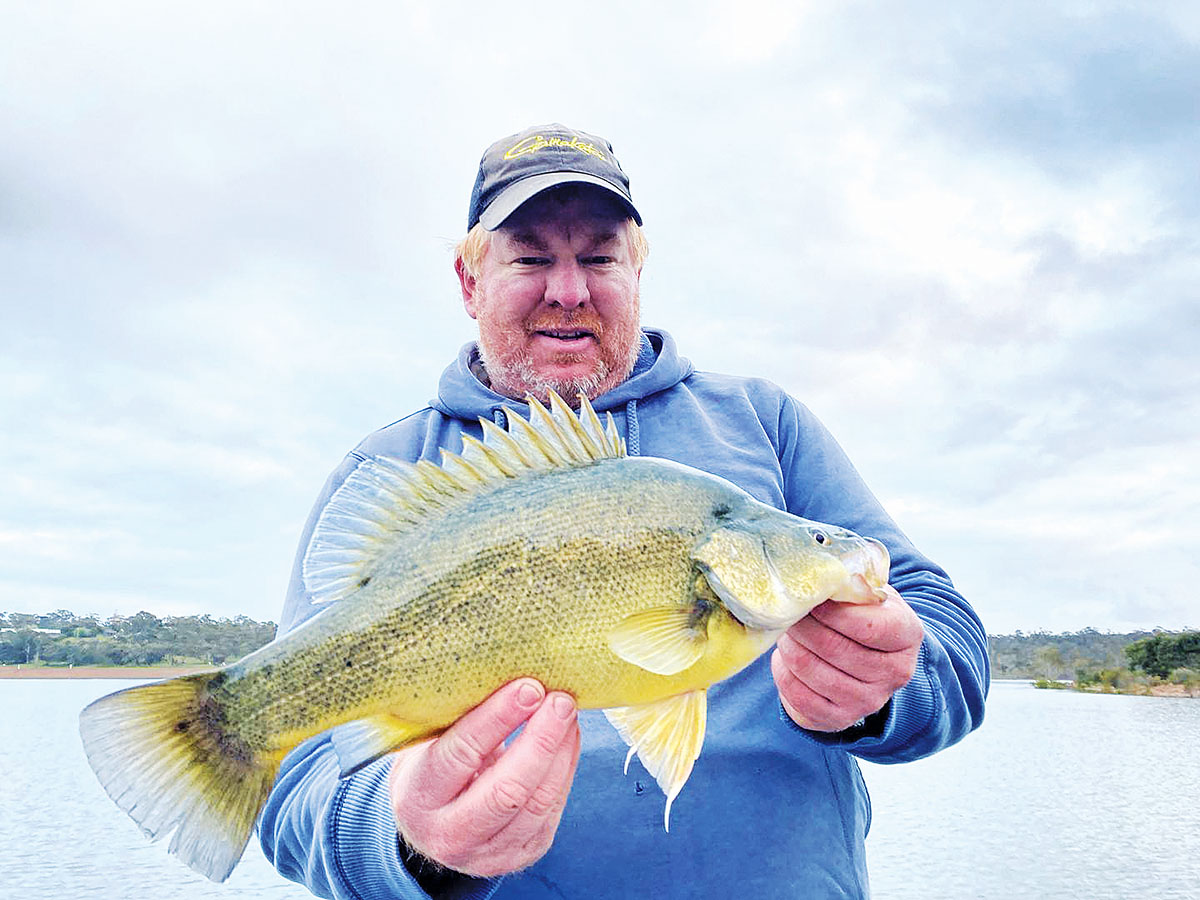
x=363, y=741
x=665, y=641
x=385, y=498
x=667, y=737
x=163, y=755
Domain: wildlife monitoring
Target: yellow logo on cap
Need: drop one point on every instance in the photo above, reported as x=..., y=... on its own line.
x=536, y=142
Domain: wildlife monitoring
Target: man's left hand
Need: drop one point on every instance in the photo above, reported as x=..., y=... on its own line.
x=843, y=661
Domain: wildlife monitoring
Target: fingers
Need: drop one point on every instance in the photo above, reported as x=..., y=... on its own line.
x=890, y=626
x=826, y=681
x=528, y=834
x=458, y=755
x=479, y=807
x=842, y=662
x=528, y=779
x=820, y=697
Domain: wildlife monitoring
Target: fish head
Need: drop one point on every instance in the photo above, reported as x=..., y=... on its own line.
x=771, y=568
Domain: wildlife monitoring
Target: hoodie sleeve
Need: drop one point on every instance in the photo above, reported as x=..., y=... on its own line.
x=944, y=700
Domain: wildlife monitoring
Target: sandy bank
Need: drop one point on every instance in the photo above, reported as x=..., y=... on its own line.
x=1144, y=690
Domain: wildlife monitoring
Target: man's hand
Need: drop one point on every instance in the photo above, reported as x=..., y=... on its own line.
x=473, y=805
x=843, y=661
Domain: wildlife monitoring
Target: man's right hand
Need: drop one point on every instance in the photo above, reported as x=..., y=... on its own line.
x=471, y=804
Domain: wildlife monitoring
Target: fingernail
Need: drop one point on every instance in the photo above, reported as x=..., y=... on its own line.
x=528, y=695
x=564, y=706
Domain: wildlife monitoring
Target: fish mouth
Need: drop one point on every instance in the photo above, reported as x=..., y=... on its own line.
x=867, y=567
x=873, y=563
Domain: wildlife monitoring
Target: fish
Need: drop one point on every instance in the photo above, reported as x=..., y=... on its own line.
x=542, y=549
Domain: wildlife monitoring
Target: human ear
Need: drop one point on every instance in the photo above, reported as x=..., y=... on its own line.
x=467, y=282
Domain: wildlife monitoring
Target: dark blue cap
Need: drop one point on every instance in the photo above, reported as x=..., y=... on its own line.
x=517, y=167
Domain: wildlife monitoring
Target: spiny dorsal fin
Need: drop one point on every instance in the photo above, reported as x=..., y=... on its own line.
x=385, y=498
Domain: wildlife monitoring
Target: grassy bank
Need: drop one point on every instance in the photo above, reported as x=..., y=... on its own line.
x=1133, y=685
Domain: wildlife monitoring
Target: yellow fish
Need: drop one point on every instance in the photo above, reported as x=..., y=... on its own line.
x=632, y=583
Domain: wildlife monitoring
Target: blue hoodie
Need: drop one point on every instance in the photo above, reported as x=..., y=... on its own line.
x=770, y=810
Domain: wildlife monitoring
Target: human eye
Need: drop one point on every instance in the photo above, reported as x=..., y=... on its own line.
x=530, y=261
x=597, y=259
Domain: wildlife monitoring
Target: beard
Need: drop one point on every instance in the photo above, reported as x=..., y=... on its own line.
x=512, y=369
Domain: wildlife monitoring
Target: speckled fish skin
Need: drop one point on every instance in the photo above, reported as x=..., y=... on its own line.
x=632, y=583
x=528, y=579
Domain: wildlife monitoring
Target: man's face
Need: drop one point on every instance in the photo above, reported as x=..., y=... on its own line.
x=556, y=298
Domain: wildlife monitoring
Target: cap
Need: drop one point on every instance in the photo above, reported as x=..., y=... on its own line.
x=517, y=167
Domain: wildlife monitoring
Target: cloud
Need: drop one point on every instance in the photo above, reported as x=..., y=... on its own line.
x=752, y=31
x=1070, y=89
x=965, y=237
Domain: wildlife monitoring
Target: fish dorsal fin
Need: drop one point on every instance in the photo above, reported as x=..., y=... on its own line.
x=385, y=498
x=665, y=640
x=667, y=736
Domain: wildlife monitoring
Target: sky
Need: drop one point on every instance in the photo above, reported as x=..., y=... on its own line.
x=967, y=237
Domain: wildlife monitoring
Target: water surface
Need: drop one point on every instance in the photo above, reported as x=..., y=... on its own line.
x=1060, y=795
x=62, y=838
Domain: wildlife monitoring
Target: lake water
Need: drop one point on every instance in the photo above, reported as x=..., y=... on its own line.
x=1060, y=795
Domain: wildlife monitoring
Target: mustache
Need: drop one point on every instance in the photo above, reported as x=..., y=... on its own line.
x=575, y=319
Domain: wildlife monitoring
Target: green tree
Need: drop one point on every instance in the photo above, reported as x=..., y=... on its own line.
x=21, y=647
x=1159, y=654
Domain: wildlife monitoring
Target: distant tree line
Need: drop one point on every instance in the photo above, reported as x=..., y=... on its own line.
x=1040, y=654
x=1091, y=657
x=62, y=638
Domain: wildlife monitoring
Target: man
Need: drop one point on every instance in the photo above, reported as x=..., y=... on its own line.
x=776, y=805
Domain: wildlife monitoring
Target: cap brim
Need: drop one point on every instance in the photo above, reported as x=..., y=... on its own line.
x=508, y=200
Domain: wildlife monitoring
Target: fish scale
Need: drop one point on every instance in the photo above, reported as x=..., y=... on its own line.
x=632, y=583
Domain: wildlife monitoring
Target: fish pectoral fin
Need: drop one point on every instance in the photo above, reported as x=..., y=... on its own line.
x=667, y=736
x=363, y=741
x=664, y=641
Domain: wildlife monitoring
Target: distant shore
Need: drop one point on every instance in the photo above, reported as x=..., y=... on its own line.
x=1136, y=690
x=1152, y=690
x=97, y=671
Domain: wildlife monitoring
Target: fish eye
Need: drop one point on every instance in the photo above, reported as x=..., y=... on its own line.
x=819, y=537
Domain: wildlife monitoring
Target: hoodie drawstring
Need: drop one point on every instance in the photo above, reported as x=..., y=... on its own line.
x=633, y=435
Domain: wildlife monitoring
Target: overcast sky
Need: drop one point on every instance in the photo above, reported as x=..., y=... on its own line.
x=965, y=235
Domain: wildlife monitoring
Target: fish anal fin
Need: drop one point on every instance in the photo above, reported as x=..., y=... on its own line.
x=664, y=640
x=667, y=736
x=363, y=741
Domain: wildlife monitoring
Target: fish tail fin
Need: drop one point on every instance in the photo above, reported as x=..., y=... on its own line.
x=164, y=754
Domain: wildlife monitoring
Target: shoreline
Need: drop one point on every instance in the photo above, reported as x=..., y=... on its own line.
x=112, y=672
x=1137, y=690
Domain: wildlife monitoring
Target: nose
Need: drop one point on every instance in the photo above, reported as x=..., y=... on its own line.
x=566, y=285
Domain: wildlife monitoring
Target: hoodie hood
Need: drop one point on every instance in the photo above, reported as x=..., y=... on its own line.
x=659, y=367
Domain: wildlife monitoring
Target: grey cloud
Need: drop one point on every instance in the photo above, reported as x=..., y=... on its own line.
x=1069, y=92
